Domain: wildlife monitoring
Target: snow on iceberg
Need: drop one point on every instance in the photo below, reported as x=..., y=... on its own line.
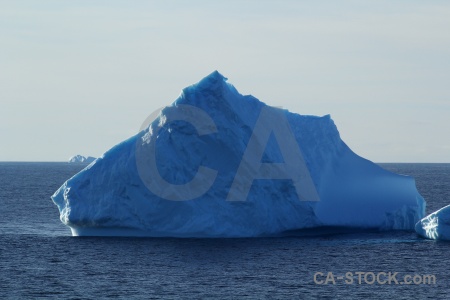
x=216, y=163
x=80, y=159
x=435, y=226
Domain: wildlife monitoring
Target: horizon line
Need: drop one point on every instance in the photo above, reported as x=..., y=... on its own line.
x=63, y=161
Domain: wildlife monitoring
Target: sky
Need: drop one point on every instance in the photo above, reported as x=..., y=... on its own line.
x=78, y=77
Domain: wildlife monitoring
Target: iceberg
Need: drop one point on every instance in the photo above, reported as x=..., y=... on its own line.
x=80, y=159
x=216, y=163
x=435, y=226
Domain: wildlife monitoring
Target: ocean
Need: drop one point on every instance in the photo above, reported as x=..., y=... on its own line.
x=40, y=259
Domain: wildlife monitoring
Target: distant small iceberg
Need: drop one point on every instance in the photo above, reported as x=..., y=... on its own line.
x=80, y=159
x=435, y=226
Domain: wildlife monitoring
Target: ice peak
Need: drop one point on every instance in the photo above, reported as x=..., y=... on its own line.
x=211, y=88
x=214, y=82
x=215, y=78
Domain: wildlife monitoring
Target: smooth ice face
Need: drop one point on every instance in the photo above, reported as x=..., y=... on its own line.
x=216, y=163
x=435, y=226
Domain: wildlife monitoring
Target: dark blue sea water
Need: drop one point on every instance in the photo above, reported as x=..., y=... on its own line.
x=39, y=258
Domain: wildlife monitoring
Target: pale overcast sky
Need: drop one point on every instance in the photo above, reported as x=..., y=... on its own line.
x=77, y=77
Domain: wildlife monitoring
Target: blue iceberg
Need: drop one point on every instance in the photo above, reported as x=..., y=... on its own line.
x=216, y=163
x=435, y=226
